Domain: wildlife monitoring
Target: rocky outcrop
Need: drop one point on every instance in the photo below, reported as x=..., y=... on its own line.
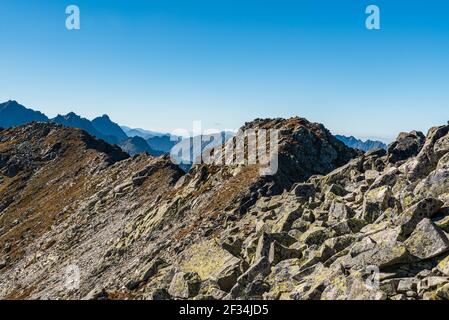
x=330, y=224
x=406, y=145
x=305, y=149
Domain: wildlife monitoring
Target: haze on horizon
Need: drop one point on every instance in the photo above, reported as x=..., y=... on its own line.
x=159, y=65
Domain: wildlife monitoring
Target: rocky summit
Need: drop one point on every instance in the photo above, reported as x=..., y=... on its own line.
x=81, y=219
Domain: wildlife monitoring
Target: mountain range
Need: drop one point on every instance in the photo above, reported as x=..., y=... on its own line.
x=13, y=114
x=133, y=132
x=367, y=145
x=135, y=145
x=154, y=143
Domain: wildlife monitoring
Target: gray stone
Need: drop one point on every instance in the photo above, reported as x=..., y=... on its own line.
x=406, y=145
x=288, y=215
x=339, y=212
x=336, y=190
x=430, y=283
x=96, y=294
x=159, y=294
x=227, y=276
x=407, y=284
x=260, y=267
x=263, y=246
x=443, y=292
x=443, y=266
x=304, y=191
x=152, y=268
x=376, y=201
x=427, y=241
x=279, y=253
x=426, y=208
x=184, y=285
x=381, y=255
x=315, y=235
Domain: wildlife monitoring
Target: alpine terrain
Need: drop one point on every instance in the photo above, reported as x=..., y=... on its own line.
x=82, y=219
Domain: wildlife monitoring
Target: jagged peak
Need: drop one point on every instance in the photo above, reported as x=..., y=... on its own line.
x=103, y=117
x=69, y=116
x=11, y=104
x=72, y=114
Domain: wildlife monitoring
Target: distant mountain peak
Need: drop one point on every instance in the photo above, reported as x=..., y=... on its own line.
x=14, y=114
x=74, y=115
x=69, y=116
x=11, y=103
x=73, y=120
x=109, y=128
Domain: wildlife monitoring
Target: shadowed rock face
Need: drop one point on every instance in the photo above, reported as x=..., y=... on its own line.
x=406, y=145
x=141, y=228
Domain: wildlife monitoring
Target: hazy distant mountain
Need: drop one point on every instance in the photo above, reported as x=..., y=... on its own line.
x=146, y=134
x=107, y=127
x=13, y=114
x=136, y=145
x=73, y=120
x=361, y=145
x=163, y=143
x=206, y=142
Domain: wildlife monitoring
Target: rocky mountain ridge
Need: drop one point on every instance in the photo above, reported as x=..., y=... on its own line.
x=109, y=128
x=332, y=223
x=366, y=146
x=13, y=114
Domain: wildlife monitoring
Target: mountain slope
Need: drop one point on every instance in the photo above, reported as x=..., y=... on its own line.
x=139, y=228
x=71, y=191
x=118, y=215
x=13, y=114
x=36, y=163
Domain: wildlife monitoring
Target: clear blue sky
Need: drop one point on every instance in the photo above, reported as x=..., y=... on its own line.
x=162, y=64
